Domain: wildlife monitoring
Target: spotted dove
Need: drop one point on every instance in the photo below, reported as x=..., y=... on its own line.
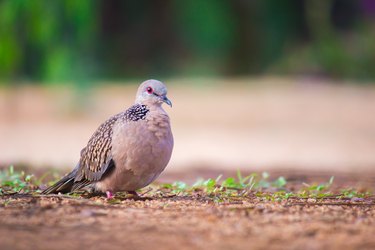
x=128, y=151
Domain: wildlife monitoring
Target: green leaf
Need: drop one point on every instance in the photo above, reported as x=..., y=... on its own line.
x=28, y=177
x=11, y=170
x=229, y=182
x=180, y=185
x=330, y=182
x=209, y=183
x=218, y=178
x=265, y=175
x=280, y=182
x=239, y=176
x=167, y=185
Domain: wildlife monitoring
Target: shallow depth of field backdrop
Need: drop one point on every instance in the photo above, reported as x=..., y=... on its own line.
x=255, y=85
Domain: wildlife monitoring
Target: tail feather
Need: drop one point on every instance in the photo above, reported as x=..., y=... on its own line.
x=62, y=186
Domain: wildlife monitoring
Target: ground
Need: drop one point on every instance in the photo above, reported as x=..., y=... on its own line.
x=304, y=129
x=163, y=220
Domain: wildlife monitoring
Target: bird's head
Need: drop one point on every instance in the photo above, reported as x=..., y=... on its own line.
x=152, y=92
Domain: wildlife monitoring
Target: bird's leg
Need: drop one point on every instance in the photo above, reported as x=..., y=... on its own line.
x=109, y=195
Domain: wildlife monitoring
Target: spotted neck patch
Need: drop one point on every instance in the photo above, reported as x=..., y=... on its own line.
x=136, y=112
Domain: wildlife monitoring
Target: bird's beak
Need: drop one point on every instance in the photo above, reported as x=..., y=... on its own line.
x=167, y=101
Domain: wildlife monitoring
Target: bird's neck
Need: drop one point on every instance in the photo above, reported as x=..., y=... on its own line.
x=151, y=105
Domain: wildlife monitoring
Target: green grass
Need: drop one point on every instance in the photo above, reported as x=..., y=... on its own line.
x=218, y=189
x=12, y=181
x=260, y=185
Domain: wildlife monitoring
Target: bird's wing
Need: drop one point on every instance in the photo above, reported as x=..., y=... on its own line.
x=96, y=158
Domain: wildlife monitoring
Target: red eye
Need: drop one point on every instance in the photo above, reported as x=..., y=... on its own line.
x=149, y=90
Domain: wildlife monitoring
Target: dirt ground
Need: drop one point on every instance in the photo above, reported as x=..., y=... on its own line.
x=302, y=129
x=169, y=221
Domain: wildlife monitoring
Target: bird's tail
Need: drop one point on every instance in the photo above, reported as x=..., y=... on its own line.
x=64, y=185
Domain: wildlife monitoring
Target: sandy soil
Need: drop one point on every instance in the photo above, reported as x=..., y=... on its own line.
x=304, y=130
x=168, y=221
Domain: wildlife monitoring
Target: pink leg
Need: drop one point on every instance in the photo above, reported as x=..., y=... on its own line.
x=109, y=195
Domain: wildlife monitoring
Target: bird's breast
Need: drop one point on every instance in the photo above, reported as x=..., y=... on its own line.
x=141, y=150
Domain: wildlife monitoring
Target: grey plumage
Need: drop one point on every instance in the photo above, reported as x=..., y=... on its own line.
x=134, y=127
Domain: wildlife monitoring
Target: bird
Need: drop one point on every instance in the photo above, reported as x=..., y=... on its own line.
x=128, y=151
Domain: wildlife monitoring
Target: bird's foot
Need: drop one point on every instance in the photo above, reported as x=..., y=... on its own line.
x=109, y=195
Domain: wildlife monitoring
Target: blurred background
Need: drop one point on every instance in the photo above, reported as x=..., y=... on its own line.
x=255, y=84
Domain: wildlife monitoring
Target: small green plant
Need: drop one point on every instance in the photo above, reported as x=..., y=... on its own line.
x=316, y=190
x=231, y=186
x=209, y=185
x=352, y=193
x=218, y=189
x=259, y=185
x=12, y=181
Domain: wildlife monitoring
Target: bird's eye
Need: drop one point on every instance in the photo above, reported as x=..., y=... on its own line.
x=149, y=90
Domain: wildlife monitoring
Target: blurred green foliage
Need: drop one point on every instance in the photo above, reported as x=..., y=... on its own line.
x=47, y=40
x=78, y=41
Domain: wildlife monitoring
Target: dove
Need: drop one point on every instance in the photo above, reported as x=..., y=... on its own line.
x=128, y=151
